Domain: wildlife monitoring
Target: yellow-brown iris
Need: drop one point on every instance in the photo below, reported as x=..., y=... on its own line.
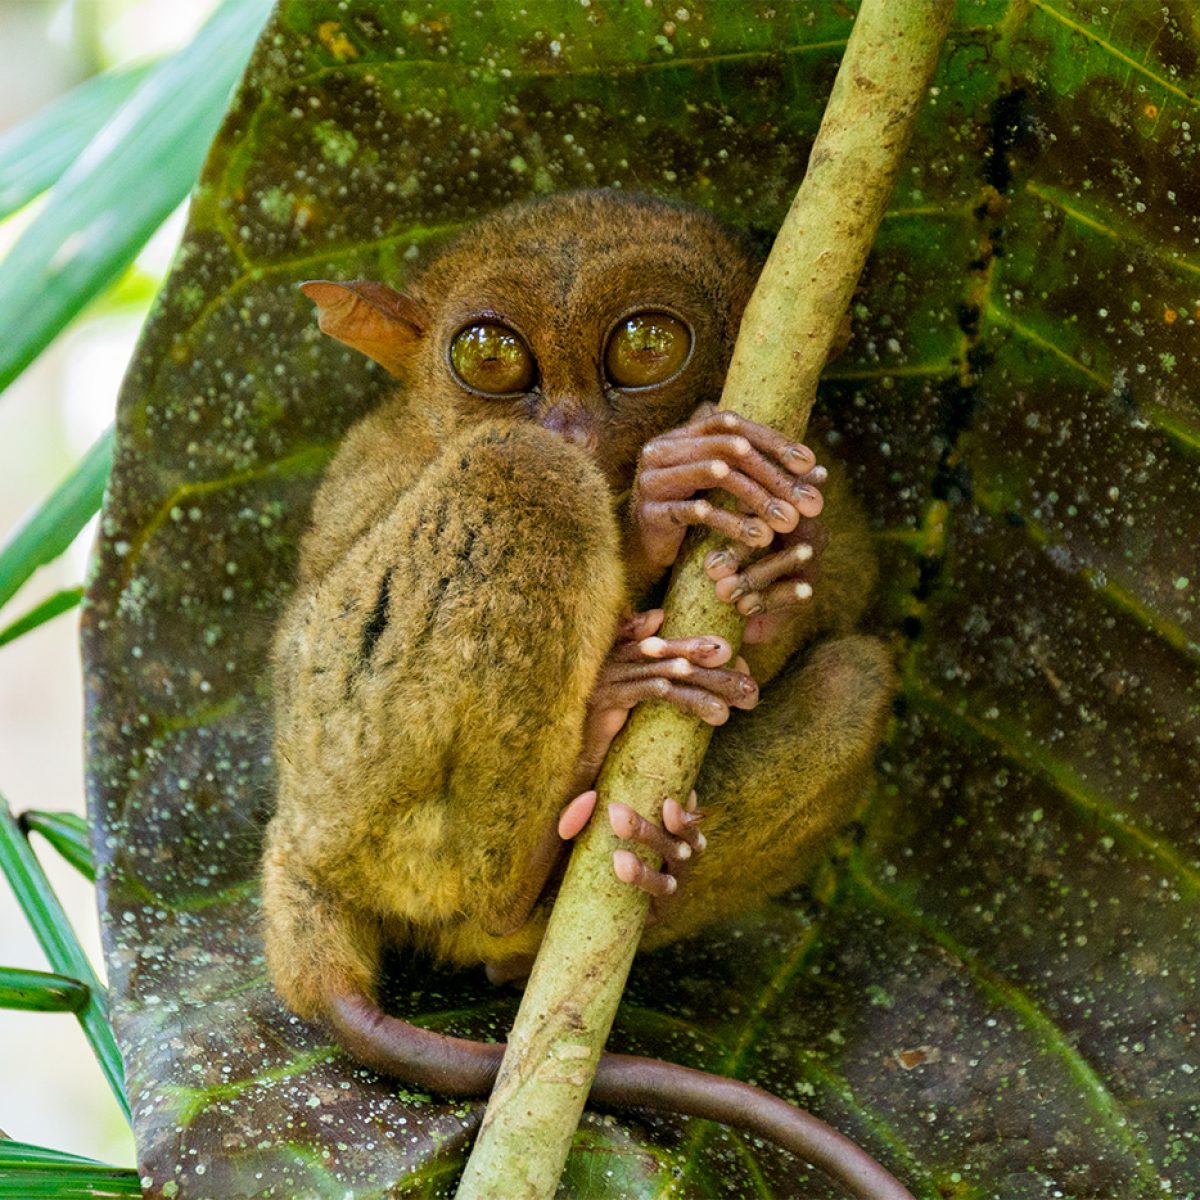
x=492, y=358
x=645, y=349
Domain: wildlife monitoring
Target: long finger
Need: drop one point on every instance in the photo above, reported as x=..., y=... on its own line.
x=682, y=481
x=753, y=531
x=628, y=868
x=735, y=688
x=779, y=597
x=630, y=825
x=703, y=651
x=679, y=448
x=798, y=458
x=698, y=703
x=788, y=563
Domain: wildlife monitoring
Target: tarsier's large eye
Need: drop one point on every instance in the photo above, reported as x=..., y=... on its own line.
x=491, y=358
x=646, y=348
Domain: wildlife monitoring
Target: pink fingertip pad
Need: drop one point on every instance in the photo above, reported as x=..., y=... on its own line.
x=625, y=865
x=576, y=815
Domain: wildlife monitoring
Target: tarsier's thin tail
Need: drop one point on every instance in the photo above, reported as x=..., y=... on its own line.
x=459, y=1067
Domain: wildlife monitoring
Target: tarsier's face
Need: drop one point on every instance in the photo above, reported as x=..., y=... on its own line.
x=604, y=317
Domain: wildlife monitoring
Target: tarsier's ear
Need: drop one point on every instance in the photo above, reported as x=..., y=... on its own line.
x=371, y=317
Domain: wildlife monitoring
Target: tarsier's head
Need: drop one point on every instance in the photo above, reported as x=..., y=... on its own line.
x=603, y=316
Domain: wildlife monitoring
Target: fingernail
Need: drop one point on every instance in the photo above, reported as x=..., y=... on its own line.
x=691, y=818
x=672, y=884
x=818, y=475
x=737, y=592
x=802, y=491
x=803, y=591
x=776, y=510
x=715, y=559
x=803, y=552
x=709, y=647
x=701, y=843
x=651, y=645
x=753, y=611
x=683, y=850
x=798, y=454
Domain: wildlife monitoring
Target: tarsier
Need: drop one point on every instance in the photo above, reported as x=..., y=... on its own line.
x=474, y=619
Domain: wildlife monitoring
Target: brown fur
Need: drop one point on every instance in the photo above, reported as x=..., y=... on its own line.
x=460, y=586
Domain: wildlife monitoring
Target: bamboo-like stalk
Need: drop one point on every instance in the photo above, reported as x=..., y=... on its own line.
x=784, y=341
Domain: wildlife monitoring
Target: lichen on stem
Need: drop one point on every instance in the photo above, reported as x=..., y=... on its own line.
x=785, y=338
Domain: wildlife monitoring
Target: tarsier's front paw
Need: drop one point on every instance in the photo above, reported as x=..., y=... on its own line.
x=678, y=841
x=768, y=588
x=694, y=674
x=772, y=480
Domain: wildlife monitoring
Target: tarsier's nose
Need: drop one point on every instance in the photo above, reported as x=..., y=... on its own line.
x=574, y=424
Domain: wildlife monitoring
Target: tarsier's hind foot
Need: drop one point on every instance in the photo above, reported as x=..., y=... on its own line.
x=774, y=787
x=678, y=842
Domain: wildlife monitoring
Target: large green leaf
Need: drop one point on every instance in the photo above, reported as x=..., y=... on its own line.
x=994, y=986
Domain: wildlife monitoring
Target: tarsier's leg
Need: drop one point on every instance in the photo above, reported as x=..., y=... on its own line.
x=776, y=783
x=316, y=945
x=431, y=693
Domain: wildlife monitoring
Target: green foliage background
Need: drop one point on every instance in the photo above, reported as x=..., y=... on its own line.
x=992, y=984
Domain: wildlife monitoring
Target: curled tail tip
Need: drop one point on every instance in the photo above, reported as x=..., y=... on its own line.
x=631, y=1081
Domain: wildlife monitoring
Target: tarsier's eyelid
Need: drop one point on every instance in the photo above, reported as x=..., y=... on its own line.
x=488, y=357
x=676, y=341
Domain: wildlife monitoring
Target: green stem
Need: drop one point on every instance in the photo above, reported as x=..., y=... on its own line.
x=785, y=339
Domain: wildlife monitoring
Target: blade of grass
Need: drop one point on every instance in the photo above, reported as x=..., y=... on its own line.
x=68, y=1182
x=50, y=608
x=60, y=945
x=128, y=179
x=22, y=1154
x=35, y=1173
x=36, y=153
x=67, y=832
x=40, y=991
x=53, y=527
x=81, y=1183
